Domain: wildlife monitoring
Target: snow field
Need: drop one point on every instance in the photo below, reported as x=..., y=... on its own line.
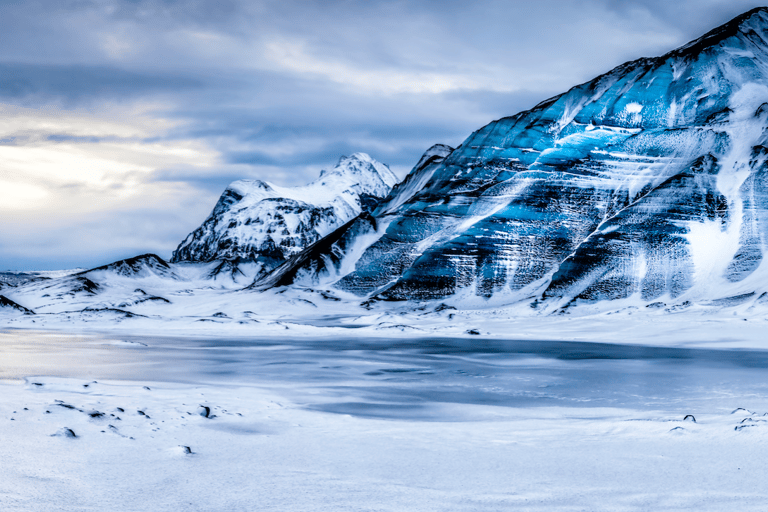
x=262, y=452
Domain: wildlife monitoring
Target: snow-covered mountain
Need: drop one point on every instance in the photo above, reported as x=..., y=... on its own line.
x=643, y=189
x=648, y=183
x=260, y=222
x=331, y=257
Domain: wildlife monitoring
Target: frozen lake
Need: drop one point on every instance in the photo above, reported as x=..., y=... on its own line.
x=106, y=422
x=411, y=379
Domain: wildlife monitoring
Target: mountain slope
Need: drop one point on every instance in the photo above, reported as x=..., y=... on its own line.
x=645, y=183
x=7, y=304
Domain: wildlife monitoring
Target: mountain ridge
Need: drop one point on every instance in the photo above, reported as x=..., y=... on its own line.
x=626, y=141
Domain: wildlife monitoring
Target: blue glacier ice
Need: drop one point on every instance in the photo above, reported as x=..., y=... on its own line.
x=647, y=184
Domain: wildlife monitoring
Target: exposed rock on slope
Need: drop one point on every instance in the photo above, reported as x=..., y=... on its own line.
x=8, y=304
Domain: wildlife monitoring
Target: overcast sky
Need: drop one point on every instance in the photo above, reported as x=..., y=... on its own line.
x=121, y=122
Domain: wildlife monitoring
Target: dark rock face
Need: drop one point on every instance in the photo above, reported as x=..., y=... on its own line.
x=322, y=257
x=646, y=183
x=6, y=303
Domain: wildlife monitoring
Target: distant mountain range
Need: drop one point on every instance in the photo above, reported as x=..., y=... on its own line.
x=644, y=188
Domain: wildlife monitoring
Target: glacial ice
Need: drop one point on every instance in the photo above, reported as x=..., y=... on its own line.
x=620, y=188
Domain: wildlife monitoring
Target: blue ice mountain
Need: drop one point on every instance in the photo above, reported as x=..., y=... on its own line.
x=648, y=183
x=260, y=222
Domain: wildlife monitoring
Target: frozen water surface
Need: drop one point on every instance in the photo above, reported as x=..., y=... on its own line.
x=165, y=424
x=410, y=379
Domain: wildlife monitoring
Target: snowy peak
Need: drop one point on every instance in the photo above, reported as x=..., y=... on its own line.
x=751, y=26
x=360, y=171
x=360, y=164
x=138, y=266
x=254, y=188
x=262, y=222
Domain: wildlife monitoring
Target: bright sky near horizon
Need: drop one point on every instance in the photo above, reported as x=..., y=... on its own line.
x=122, y=121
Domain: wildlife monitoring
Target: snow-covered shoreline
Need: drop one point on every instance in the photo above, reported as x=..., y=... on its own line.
x=147, y=296
x=701, y=327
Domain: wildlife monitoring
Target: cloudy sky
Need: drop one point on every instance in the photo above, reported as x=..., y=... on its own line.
x=121, y=121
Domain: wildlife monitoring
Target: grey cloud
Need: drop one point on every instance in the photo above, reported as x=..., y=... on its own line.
x=202, y=12
x=74, y=84
x=691, y=18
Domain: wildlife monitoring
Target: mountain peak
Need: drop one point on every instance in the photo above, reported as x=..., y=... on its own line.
x=362, y=164
x=744, y=24
x=436, y=152
x=242, y=187
x=262, y=222
x=364, y=157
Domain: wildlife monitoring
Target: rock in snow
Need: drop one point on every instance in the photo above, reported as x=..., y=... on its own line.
x=65, y=432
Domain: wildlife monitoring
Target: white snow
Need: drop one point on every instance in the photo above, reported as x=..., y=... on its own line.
x=322, y=403
x=712, y=248
x=329, y=425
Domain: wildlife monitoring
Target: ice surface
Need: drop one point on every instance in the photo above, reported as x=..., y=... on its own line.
x=317, y=424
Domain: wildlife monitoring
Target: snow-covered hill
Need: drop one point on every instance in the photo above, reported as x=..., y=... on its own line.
x=260, y=222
